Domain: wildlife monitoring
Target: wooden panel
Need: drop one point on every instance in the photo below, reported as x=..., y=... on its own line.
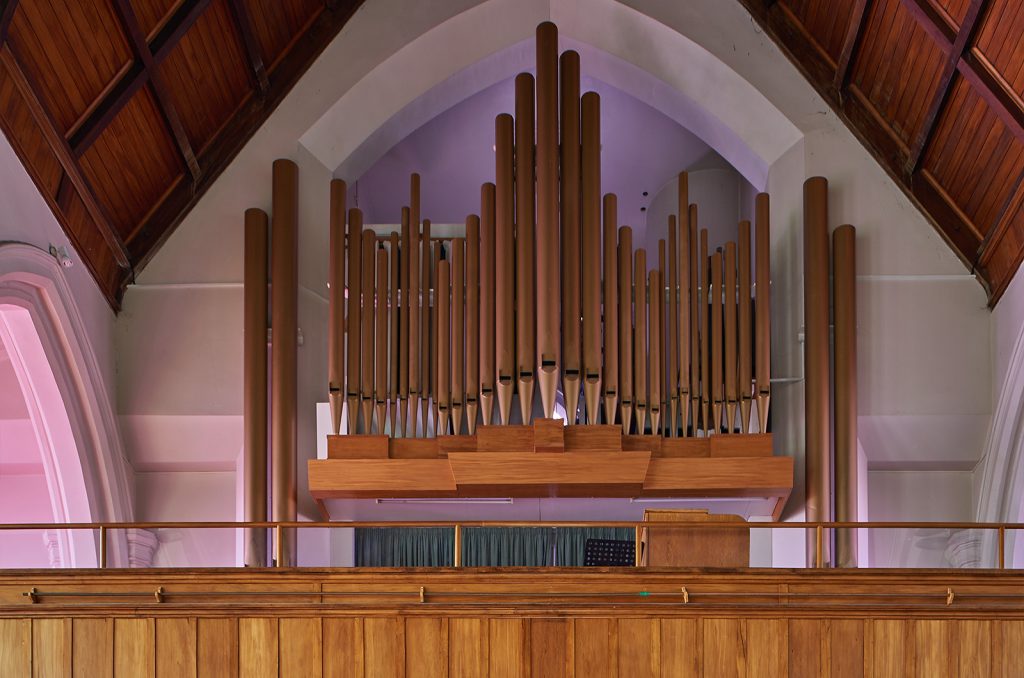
x=846, y=647
x=760, y=477
x=766, y=647
x=217, y=648
x=551, y=648
x=681, y=648
x=975, y=653
x=935, y=651
x=278, y=22
x=92, y=647
x=750, y=445
x=1008, y=641
x=360, y=447
x=426, y=647
x=384, y=647
x=974, y=157
x=176, y=647
x=134, y=651
x=412, y=448
x=206, y=74
x=825, y=24
x=570, y=474
x=598, y=438
x=805, y=648
x=152, y=13
x=505, y=438
x=26, y=137
x=51, y=648
x=892, y=648
x=468, y=648
x=343, y=642
x=549, y=435
x=723, y=648
x=301, y=647
x=897, y=68
x=380, y=478
x=71, y=50
x=639, y=648
x=999, y=41
x=597, y=644
x=955, y=9
x=15, y=647
x=257, y=648
x=132, y=163
x=508, y=648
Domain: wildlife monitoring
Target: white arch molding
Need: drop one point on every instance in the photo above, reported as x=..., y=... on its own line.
x=71, y=412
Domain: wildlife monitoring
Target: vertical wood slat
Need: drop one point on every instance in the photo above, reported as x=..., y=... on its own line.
x=92, y=648
x=176, y=647
x=384, y=647
x=804, y=648
x=468, y=648
x=426, y=647
x=597, y=648
x=551, y=648
x=216, y=648
x=134, y=647
x=344, y=644
x=51, y=648
x=15, y=647
x=846, y=647
x=639, y=648
x=724, y=653
x=508, y=645
x=680, y=651
x=301, y=647
x=257, y=648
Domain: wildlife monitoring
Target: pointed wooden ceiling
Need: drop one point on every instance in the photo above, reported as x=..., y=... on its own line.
x=125, y=111
x=933, y=88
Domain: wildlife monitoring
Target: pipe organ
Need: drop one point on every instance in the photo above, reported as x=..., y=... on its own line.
x=546, y=291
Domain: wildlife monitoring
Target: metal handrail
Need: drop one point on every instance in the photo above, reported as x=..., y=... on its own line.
x=279, y=526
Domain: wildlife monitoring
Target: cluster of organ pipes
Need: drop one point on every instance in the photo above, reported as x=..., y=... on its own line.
x=546, y=287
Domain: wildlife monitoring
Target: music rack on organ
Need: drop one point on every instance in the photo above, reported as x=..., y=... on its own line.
x=546, y=292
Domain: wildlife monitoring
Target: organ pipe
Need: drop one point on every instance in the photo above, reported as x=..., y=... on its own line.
x=729, y=318
x=487, y=303
x=745, y=347
x=762, y=311
x=844, y=305
x=654, y=295
x=393, y=350
x=255, y=381
x=504, y=272
x=427, y=363
x=694, y=322
x=684, y=299
x=284, y=355
x=380, y=335
x=472, y=333
x=414, y=303
x=672, y=346
x=403, y=324
x=717, y=385
x=336, y=318
x=435, y=359
x=443, y=329
x=610, y=371
x=457, y=331
x=590, y=216
x=366, y=345
x=658, y=341
x=704, y=299
x=525, y=248
x=353, y=326
x=570, y=219
x=625, y=275
x=640, y=340
x=548, y=277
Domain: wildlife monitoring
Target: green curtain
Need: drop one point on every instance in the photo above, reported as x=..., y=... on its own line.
x=507, y=546
x=571, y=541
x=404, y=546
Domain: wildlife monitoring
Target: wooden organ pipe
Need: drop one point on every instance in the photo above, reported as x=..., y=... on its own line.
x=457, y=333
x=655, y=295
x=353, y=327
x=610, y=371
x=335, y=310
x=762, y=311
x=729, y=288
x=816, y=363
x=571, y=248
x=695, y=329
x=472, y=333
x=844, y=305
x=436, y=249
x=684, y=301
x=284, y=357
x=590, y=214
x=413, y=255
x=366, y=345
x=705, y=338
x=717, y=385
x=380, y=334
x=403, y=325
x=744, y=382
x=393, y=392
x=442, y=305
x=625, y=280
x=488, y=367
x=640, y=340
x=526, y=275
x=672, y=347
x=427, y=364
x=504, y=273
x=548, y=277
x=255, y=379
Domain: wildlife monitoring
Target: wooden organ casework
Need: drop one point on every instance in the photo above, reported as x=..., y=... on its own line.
x=449, y=357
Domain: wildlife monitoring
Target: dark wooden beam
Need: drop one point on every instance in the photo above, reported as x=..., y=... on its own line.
x=243, y=22
x=64, y=189
x=933, y=22
x=62, y=151
x=219, y=153
x=86, y=131
x=965, y=36
x=165, y=104
x=851, y=43
x=6, y=15
x=996, y=92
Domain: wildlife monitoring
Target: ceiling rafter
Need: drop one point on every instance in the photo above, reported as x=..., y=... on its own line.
x=165, y=103
x=65, y=157
x=88, y=129
x=851, y=42
x=243, y=22
x=6, y=16
x=964, y=38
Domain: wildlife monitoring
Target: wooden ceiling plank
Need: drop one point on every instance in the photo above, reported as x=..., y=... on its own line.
x=934, y=22
x=169, y=112
x=1002, y=222
x=63, y=152
x=243, y=22
x=996, y=92
x=6, y=15
x=851, y=43
x=972, y=20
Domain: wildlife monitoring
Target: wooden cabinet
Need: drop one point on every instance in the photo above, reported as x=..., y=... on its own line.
x=694, y=546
